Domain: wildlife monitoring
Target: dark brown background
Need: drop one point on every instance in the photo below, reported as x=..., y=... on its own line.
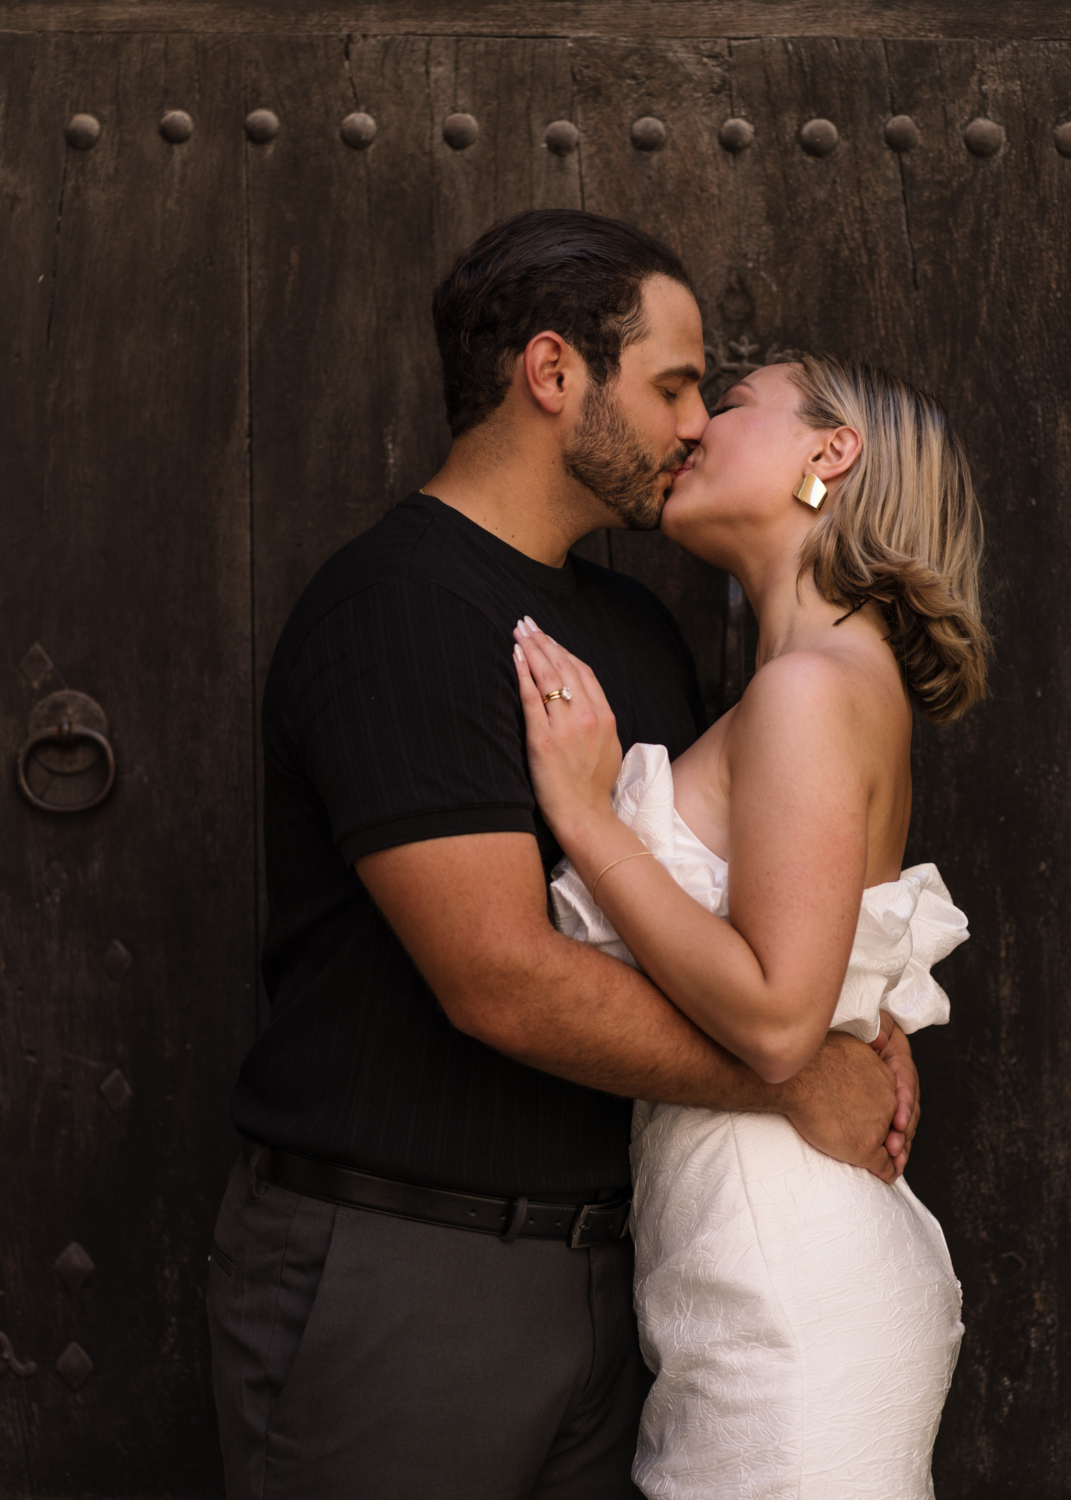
x=217, y=365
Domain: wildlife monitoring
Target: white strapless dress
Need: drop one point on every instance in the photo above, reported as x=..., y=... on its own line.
x=802, y=1318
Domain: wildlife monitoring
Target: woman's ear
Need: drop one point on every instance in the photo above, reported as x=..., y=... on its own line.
x=549, y=370
x=837, y=452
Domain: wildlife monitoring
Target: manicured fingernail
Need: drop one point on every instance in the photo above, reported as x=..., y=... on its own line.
x=520, y=627
x=530, y=623
x=518, y=654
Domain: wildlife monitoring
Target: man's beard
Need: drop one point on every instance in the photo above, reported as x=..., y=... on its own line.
x=608, y=458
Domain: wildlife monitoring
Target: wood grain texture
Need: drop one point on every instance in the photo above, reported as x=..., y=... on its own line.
x=565, y=18
x=32, y=164
x=990, y=238
x=826, y=236
x=124, y=490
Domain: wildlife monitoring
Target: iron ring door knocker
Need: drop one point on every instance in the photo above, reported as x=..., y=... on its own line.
x=66, y=735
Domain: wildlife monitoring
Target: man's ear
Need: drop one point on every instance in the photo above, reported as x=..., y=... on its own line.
x=550, y=369
x=834, y=455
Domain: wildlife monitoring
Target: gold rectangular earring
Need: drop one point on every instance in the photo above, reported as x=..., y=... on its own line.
x=811, y=491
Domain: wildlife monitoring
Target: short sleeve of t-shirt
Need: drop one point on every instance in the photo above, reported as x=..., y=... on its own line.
x=411, y=726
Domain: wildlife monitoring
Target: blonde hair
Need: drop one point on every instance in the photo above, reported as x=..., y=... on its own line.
x=905, y=531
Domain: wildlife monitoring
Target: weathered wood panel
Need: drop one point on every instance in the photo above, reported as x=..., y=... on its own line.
x=124, y=490
x=568, y=18
x=990, y=238
x=32, y=154
x=829, y=233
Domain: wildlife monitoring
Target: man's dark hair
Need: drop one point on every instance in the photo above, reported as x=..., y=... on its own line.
x=578, y=274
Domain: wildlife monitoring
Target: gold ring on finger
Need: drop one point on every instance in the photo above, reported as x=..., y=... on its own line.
x=563, y=693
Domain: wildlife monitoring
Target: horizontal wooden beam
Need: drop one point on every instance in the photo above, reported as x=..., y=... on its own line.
x=554, y=18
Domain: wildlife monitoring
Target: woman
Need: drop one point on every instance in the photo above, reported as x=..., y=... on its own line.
x=801, y=1317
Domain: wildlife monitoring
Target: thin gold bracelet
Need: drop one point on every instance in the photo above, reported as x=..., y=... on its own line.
x=638, y=855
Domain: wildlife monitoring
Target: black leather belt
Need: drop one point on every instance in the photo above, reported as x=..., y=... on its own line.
x=581, y=1225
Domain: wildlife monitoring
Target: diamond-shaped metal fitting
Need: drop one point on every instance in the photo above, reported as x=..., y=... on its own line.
x=116, y=1090
x=116, y=960
x=74, y=1365
x=74, y=1266
x=35, y=665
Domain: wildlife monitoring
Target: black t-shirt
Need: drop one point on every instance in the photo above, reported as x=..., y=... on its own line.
x=391, y=715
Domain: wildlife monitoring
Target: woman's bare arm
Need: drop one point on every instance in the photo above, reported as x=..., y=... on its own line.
x=472, y=913
x=766, y=986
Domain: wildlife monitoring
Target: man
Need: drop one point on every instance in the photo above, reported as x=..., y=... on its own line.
x=420, y=1282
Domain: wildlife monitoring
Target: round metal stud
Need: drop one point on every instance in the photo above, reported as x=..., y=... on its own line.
x=262, y=126
x=983, y=137
x=176, y=126
x=82, y=131
x=562, y=137
x=901, y=133
x=648, y=133
x=459, y=131
x=358, y=130
x=819, y=137
x=1062, y=137
x=736, y=134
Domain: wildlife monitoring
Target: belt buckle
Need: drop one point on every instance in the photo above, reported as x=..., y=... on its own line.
x=580, y=1223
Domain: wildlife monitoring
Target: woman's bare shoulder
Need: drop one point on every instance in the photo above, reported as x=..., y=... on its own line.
x=824, y=701
x=797, y=683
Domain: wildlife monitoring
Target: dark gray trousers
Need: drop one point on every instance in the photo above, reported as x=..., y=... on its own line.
x=362, y=1356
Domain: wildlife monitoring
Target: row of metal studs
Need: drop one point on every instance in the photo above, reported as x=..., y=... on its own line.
x=817, y=137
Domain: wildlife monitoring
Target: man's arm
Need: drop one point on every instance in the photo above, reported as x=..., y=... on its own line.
x=472, y=913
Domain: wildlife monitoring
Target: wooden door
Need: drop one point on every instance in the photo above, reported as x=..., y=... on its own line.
x=126, y=932
x=219, y=366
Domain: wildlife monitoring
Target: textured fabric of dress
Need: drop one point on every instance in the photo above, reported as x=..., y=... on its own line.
x=801, y=1317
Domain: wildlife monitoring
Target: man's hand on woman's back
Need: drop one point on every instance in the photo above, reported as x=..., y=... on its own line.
x=856, y=1104
x=894, y=1048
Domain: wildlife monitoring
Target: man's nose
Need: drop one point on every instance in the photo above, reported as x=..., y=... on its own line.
x=693, y=418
